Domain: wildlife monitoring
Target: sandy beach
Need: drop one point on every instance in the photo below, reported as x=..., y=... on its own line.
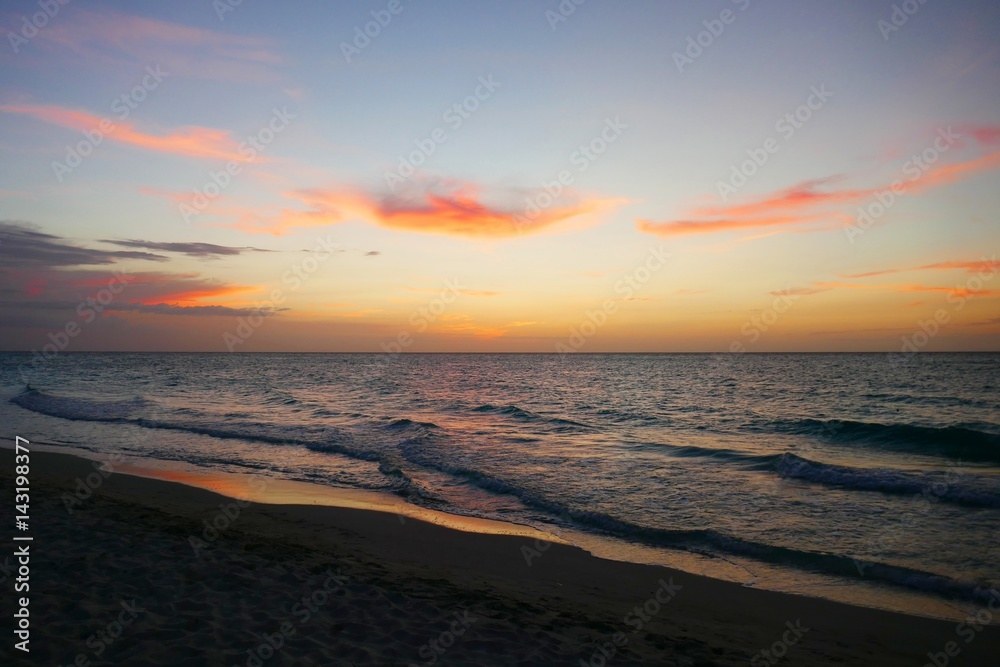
x=151, y=572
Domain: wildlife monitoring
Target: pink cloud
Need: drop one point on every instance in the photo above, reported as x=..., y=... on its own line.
x=959, y=291
x=451, y=209
x=192, y=141
x=800, y=207
x=969, y=266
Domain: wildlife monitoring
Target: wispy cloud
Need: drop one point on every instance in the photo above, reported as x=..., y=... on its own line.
x=204, y=311
x=799, y=291
x=465, y=325
x=191, y=141
x=106, y=37
x=199, y=250
x=23, y=246
x=823, y=286
x=817, y=204
x=969, y=266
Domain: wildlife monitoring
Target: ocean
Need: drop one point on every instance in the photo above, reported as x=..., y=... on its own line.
x=871, y=478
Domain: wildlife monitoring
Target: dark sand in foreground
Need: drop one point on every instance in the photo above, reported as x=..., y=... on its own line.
x=337, y=586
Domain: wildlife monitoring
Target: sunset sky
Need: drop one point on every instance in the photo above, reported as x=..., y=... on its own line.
x=500, y=176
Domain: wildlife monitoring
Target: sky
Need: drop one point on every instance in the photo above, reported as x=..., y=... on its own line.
x=517, y=176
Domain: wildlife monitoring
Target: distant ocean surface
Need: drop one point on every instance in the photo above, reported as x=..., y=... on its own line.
x=837, y=470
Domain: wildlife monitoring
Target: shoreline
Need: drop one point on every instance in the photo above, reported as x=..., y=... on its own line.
x=587, y=597
x=263, y=489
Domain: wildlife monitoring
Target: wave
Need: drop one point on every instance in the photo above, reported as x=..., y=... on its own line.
x=323, y=439
x=526, y=415
x=929, y=399
x=694, y=451
x=961, y=489
x=618, y=415
x=959, y=442
x=418, y=449
x=78, y=408
x=711, y=543
x=958, y=488
x=405, y=424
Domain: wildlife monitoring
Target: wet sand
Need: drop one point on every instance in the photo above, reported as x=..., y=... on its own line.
x=128, y=570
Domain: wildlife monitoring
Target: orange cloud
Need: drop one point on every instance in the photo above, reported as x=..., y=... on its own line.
x=456, y=209
x=195, y=295
x=808, y=202
x=969, y=266
x=192, y=141
x=947, y=174
x=797, y=205
x=177, y=288
x=800, y=196
x=462, y=214
x=687, y=227
x=959, y=291
x=464, y=325
x=872, y=274
x=977, y=266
